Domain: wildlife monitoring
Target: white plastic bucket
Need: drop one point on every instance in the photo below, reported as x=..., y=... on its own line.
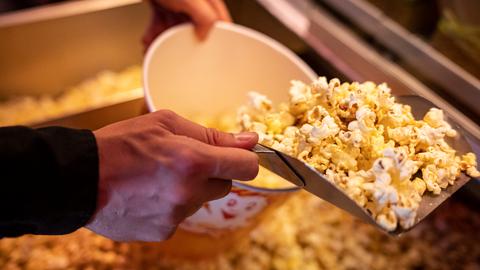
x=183, y=74
x=209, y=78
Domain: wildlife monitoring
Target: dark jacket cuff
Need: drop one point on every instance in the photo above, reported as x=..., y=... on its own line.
x=50, y=180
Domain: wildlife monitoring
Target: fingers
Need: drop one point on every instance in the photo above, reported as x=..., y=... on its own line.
x=162, y=19
x=221, y=10
x=245, y=140
x=216, y=189
x=209, y=152
x=203, y=13
x=198, y=159
x=156, y=26
x=232, y=163
x=181, y=126
x=203, y=16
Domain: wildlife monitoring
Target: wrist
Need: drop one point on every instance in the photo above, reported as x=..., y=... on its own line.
x=102, y=185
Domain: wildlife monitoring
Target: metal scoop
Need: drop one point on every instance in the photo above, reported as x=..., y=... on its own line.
x=307, y=177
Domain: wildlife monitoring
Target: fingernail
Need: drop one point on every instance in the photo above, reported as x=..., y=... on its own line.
x=244, y=136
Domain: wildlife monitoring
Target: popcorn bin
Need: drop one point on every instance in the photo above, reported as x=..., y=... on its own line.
x=222, y=225
x=210, y=80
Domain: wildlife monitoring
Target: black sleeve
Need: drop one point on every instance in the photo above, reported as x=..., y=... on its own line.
x=48, y=180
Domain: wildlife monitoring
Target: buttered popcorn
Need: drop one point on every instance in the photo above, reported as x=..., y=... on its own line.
x=364, y=142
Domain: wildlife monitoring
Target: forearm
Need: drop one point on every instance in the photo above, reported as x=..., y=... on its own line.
x=48, y=180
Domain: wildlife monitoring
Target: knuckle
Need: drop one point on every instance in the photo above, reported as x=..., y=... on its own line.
x=186, y=159
x=165, y=113
x=166, y=117
x=167, y=163
x=185, y=153
x=209, y=19
x=190, y=163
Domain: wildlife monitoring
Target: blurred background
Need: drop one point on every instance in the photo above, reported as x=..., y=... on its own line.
x=78, y=64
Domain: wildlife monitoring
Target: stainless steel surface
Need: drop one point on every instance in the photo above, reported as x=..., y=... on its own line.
x=98, y=117
x=430, y=202
x=413, y=50
x=60, y=10
x=273, y=161
x=46, y=54
x=46, y=50
x=307, y=177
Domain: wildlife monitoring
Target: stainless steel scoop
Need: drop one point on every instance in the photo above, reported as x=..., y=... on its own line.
x=305, y=176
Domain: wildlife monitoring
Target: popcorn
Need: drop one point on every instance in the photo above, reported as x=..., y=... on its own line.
x=259, y=102
x=419, y=185
x=102, y=89
x=402, y=135
x=267, y=179
x=304, y=233
x=320, y=130
x=364, y=142
x=388, y=220
x=406, y=215
x=434, y=118
x=277, y=122
x=469, y=163
x=353, y=138
x=384, y=194
x=366, y=119
x=300, y=97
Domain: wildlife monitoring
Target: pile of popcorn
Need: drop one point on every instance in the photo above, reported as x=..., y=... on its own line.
x=364, y=142
x=102, y=89
x=304, y=233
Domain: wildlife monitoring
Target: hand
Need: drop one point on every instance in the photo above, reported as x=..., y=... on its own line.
x=167, y=13
x=158, y=169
